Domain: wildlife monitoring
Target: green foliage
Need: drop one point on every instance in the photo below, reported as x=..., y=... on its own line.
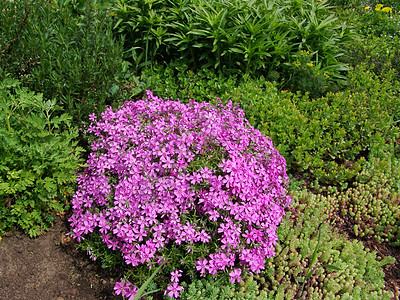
x=352, y=272
x=371, y=206
x=378, y=19
x=380, y=54
x=65, y=50
x=177, y=81
x=211, y=289
x=372, y=210
x=303, y=75
x=346, y=4
x=381, y=91
x=327, y=138
x=38, y=159
x=341, y=269
x=98, y=251
x=233, y=36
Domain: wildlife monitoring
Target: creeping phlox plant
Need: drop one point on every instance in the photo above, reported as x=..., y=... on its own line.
x=166, y=178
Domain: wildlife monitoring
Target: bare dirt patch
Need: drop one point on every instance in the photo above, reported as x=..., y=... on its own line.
x=50, y=267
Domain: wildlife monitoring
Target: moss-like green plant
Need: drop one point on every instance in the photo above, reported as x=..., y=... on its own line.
x=342, y=269
x=371, y=207
x=209, y=289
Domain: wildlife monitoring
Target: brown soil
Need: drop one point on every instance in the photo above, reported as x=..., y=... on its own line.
x=50, y=267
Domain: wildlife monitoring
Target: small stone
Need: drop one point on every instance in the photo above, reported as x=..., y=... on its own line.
x=66, y=240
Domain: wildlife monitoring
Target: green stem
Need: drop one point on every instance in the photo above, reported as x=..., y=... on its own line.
x=8, y=123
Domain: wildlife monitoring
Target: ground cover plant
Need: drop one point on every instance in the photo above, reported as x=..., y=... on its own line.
x=199, y=178
x=312, y=262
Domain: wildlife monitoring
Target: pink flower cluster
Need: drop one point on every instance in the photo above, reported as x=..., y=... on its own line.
x=163, y=172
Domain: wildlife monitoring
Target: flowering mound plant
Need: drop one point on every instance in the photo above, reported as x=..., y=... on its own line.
x=166, y=179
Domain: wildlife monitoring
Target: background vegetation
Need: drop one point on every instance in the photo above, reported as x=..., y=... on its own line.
x=321, y=78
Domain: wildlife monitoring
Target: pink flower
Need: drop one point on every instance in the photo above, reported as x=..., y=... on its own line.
x=175, y=276
x=193, y=175
x=235, y=275
x=174, y=290
x=122, y=288
x=201, y=266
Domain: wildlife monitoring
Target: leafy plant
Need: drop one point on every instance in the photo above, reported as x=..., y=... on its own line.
x=60, y=51
x=304, y=74
x=378, y=20
x=326, y=138
x=38, y=159
x=380, y=55
x=232, y=36
x=194, y=187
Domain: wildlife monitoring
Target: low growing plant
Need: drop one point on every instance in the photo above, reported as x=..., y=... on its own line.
x=193, y=187
x=38, y=159
x=312, y=261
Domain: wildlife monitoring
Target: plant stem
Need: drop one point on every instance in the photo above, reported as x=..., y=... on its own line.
x=8, y=122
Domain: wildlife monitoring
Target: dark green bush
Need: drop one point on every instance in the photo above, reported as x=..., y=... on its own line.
x=380, y=54
x=63, y=53
x=38, y=159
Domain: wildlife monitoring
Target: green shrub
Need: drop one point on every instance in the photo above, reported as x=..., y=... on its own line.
x=381, y=91
x=338, y=268
x=38, y=159
x=303, y=75
x=63, y=53
x=380, y=54
x=327, y=138
x=177, y=81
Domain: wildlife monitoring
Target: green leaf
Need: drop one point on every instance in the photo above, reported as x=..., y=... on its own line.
x=146, y=284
